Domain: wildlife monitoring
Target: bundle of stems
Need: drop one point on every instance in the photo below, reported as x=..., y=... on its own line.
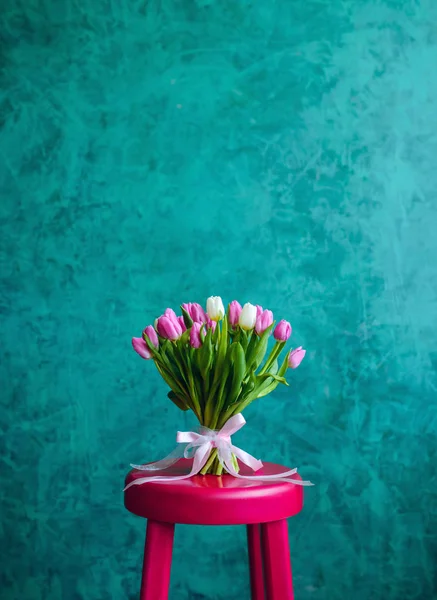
x=217, y=364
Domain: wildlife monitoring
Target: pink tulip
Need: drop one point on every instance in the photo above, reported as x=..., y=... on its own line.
x=195, y=339
x=196, y=312
x=259, y=310
x=141, y=348
x=282, y=331
x=234, y=312
x=151, y=334
x=263, y=320
x=168, y=327
x=211, y=325
x=182, y=323
x=296, y=357
x=170, y=313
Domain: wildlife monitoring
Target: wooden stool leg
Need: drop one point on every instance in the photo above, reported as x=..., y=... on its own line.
x=255, y=562
x=276, y=555
x=157, y=561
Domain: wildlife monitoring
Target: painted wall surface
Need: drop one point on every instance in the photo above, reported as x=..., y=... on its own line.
x=281, y=152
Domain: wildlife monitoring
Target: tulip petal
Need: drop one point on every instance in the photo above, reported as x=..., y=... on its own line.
x=296, y=357
x=140, y=347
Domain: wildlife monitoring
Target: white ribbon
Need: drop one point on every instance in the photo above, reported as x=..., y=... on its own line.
x=199, y=446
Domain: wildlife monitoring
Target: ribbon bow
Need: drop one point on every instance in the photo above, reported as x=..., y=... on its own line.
x=199, y=446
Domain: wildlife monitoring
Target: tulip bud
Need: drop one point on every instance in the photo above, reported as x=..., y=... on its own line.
x=169, y=328
x=234, y=312
x=215, y=308
x=247, y=318
x=296, y=357
x=170, y=313
x=195, y=311
x=263, y=320
x=195, y=340
x=177, y=322
x=182, y=323
x=282, y=331
x=211, y=325
x=141, y=348
x=151, y=334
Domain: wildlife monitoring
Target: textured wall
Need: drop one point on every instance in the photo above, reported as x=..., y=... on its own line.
x=278, y=151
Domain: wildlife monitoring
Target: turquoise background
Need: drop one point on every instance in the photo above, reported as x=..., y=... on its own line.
x=281, y=152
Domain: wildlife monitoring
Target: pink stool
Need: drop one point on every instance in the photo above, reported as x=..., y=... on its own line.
x=210, y=500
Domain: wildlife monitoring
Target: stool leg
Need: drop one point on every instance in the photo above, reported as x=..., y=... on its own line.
x=255, y=562
x=157, y=561
x=276, y=555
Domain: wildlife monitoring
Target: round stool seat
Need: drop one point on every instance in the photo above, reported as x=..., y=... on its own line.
x=213, y=500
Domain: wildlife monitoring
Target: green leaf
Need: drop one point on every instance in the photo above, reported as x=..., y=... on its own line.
x=178, y=401
x=235, y=334
x=216, y=403
x=284, y=366
x=276, y=351
x=274, y=368
x=153, y=350
x=215, y=334
x=267, y=390
x=167, y=355
x=196, y=356
x=199, y=390
x=219, y=367
x=249, y=386
x=243, y=339
x=172, y=383
x=223, y=345
x=238, y=360
x=182, y=358
x=206, y=354
x=260, y=349
x=251, y=390
x=183, y=340
x=251, y=349
x=277, y=378
x=160, y=338
x=187, y=319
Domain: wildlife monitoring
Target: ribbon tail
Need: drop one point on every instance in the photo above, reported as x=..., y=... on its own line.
x=199, y=461
x=164, y=463
x=247, y=458
x=225, y=458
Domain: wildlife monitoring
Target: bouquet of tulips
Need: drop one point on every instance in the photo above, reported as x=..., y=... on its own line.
x=214, y=362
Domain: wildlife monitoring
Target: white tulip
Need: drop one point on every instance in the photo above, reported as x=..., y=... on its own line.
x=215, y=308
x=248, y=316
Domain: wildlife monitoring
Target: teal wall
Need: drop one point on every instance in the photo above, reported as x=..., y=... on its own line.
x=281, y=152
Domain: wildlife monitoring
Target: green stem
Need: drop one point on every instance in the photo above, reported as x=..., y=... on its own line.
x=235, y=463
x=226, y=416
x=188, y=377
x=208, y=416
x=276, y=351
x=214, y=467
x=217, y=409
x=209, y=462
